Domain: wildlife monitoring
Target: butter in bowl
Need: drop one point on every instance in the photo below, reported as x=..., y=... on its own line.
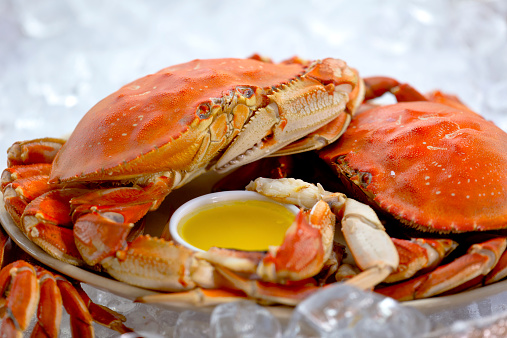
x=241, y=220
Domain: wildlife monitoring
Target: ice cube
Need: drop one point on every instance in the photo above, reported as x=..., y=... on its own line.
x=344, y=311
x=192, y=324
x=243, y=319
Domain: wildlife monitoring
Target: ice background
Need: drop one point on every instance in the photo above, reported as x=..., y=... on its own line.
x=59, y=57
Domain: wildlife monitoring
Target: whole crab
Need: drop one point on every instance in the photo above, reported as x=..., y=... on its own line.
x=79, y=199
x=433, y=165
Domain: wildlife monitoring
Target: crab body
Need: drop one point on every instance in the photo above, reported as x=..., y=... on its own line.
x=432, y=166
x=436, y=166
x=194, y=116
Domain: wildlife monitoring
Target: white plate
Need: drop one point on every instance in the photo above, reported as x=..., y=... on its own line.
x=155, y=225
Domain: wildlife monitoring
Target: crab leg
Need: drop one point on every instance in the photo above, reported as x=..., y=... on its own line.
x=499, y=272
x=478, y=261
x=14, y=205
x=49, y=312
x=289, y=294
x=42, y=150
x=197, y=297
x=19, y=292
x=377, y=86
x=101, y=314
x=80, y=317
x=418, y=254
x=154, y=263
x=265, y=292
x=28, y=188
x=12, y=174
x=47, y=222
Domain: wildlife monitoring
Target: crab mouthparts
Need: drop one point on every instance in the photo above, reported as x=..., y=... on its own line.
x=259, y=127
x=281, y=123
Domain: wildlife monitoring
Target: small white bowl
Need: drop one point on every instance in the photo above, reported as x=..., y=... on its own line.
x=218, y=197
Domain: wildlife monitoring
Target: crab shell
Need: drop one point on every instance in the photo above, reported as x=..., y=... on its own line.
x=183, y=119
x=432, y=166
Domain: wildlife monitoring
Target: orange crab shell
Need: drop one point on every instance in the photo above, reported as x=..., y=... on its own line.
x=151, y=111
x=127, y=134
x=432, y=166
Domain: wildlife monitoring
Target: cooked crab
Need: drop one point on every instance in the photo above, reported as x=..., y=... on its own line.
x=79, y=199
x=434, y=165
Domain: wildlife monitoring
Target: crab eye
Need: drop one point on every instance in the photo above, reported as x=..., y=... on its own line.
x=245, y=91
x=341, y=160
x=365, y=179
x=203, y=111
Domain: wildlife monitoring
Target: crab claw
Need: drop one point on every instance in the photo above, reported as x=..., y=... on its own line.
x=307, y=245
x=372, y=249
x=329, y=86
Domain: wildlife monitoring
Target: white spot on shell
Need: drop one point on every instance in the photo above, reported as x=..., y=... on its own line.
x=435, y=148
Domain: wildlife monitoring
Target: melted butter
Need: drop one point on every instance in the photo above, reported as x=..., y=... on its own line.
x=242, y=225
